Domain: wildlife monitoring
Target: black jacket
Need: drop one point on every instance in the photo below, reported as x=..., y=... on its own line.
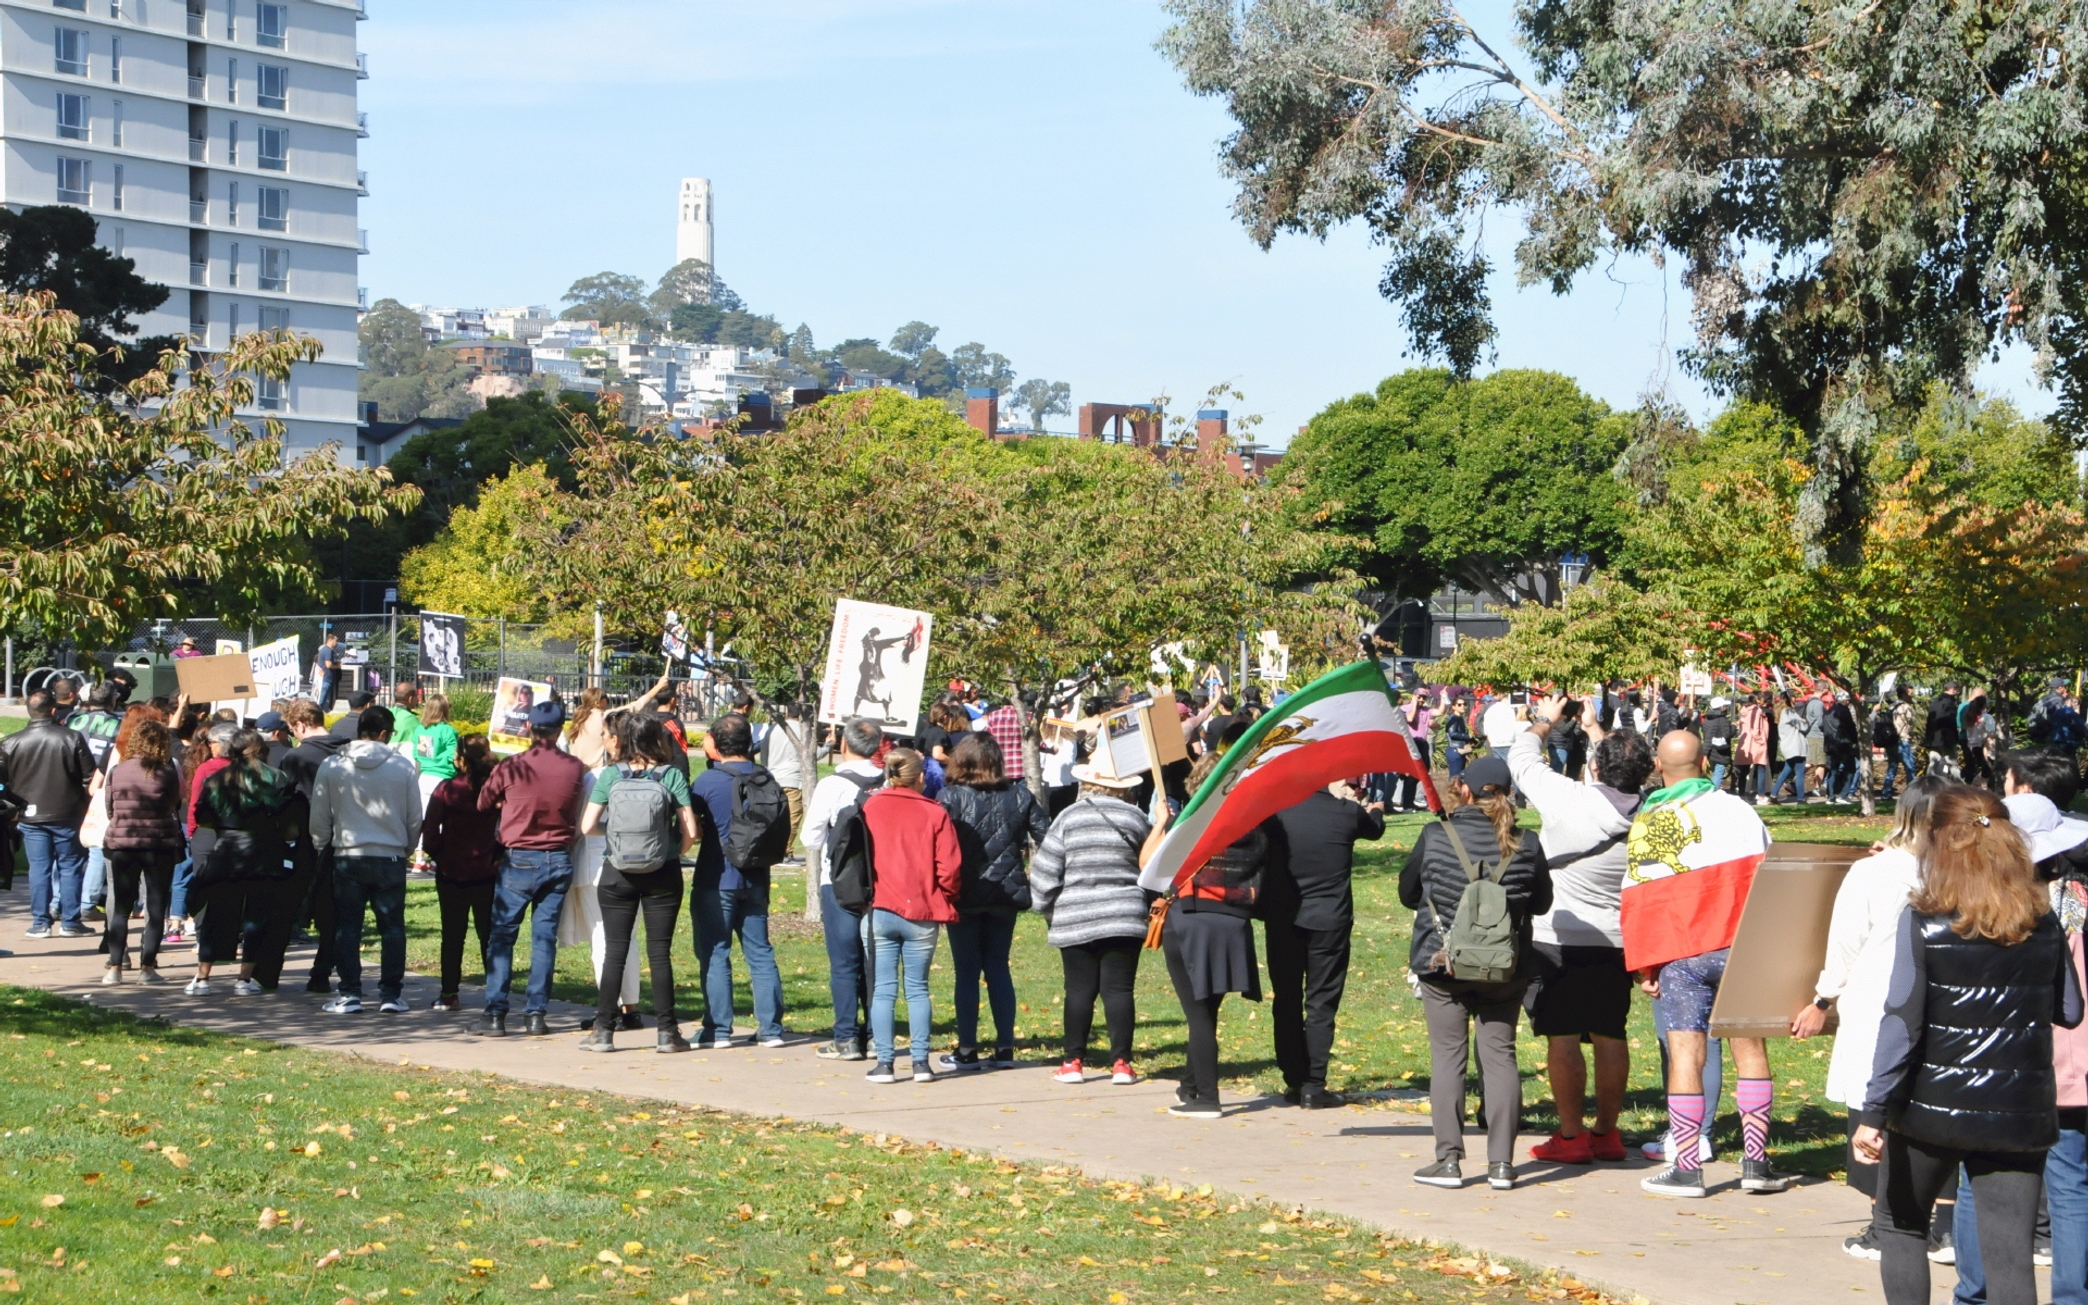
x=1718, y=736
x=995, y=826
x=1433, y=863
x=47, y=766
x=1964, y=1056
x=1940, y=732
x=302, y=762
x=1309, y=888
x=1838, y=730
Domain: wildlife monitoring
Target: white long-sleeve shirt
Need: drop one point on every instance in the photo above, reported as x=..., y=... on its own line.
x=1583, y=836
x=1858, y=970
x=829, y=797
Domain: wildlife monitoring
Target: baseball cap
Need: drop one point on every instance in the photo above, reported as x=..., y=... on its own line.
x=1487, y=771
x=542, y=714
x=269, y=722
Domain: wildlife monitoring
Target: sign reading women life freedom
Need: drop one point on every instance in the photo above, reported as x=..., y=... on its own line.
x=876, y=666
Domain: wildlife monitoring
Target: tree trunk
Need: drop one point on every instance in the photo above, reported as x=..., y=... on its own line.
x=1032, y=754
x=808, y=769
x=1866, y=730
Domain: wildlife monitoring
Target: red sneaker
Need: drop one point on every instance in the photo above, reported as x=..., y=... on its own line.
x=1606, y=1146
x=1565, y=1150
x=1070, y=1072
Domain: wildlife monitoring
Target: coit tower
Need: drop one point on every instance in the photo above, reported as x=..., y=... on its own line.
x=692, y=232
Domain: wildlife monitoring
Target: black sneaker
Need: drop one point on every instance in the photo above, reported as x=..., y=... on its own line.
x=493, y=1026
x=1443, y=1173
x=1942, y=1238
x=1864, y=1245
x=668, y=1040
x=1004, y=1058
x=536, y=1025
x=598, y=1039
x=965, y=1062
x=1314, y=1097
x=1500, y=1175
x=1685, y=1183
x=1197, y=1108
x=881, y=1072
x=631, y=1022
x=1757, y=1176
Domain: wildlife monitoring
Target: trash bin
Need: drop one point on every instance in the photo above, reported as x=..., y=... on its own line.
x=154, y=673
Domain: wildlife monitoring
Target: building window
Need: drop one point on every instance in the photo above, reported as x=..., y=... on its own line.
x=232, y=142
x=72, y=117
x=73, y=177
x=232, y=317
x=116, y=190
x=231, y=81
x=271, y=86
x=271, y=25
x=115, y=58
x=71, y=49
x=275, y=319
x=275, y=148
x=232, y=204
x=275, y=269
x=115, y=8
x=116, y=123
x=268, y=393
x=79, y=6
x=118, y=239
x=232, y=279
x=275, y=208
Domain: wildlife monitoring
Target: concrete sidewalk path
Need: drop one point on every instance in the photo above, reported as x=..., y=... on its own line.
x=1595, y=1223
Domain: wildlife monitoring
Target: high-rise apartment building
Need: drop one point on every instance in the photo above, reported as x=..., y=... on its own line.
x=214, y=142
x=693, y=225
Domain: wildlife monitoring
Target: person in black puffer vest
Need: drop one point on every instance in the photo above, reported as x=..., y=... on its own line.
x=1963, y=1071
x=998, y=821
x=1431, y=885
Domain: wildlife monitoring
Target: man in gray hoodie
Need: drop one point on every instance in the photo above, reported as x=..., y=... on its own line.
x=366, y=809
x=1581, y=988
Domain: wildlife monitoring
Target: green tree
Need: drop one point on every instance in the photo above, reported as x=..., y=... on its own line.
x=1488, y=482
x=1862, y=199
x=973, y=366
x=611, y=298
x=477, y=565
x=692, y=281
x=913, y=339
x=156, y=501
x=1042, y=398
x=1601, y=631
x=402, y=373
x=51, y=248
x=866, y=356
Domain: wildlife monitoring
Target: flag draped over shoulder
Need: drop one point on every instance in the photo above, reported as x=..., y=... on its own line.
x=1344, y=724
x=1690, y=861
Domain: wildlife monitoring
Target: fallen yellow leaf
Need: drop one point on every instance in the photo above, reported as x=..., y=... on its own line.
x=53, y=1201
x=541, y=1284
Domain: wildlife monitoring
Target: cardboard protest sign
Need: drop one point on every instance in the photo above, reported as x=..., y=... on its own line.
x=215, y=679
x=1782, y=940
x=508, y=731
x=876, y=665
x=1144, y=736
x=442, y=645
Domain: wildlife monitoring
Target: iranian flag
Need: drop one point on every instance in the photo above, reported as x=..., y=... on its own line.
x=1690, y=860
x=1344, y=724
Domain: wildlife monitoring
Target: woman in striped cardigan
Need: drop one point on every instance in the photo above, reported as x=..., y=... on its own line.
x=1084, y=881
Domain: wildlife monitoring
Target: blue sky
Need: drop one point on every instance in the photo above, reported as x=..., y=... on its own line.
x=1025, y=173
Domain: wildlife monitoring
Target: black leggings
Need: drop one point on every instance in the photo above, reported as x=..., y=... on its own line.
x=2006, y=1184
x=1201, y=1015
x=232, y=919
x=127, y=869
x=1106, y=968
x=463, y=905
x=621, y=895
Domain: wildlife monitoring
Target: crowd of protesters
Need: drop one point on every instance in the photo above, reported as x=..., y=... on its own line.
x=1953, y=967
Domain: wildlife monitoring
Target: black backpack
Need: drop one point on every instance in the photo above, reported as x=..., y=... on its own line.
x=760, y=832
x=851, y=863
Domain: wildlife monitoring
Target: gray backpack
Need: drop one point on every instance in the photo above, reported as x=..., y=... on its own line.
x=639, y=822
x=1481, y=944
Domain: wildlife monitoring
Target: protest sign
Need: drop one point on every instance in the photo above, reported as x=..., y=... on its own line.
x=508, y=731
x=278, y=671
x=442, y=645
x=876, y=665
x=215, y=679
x=1782, y=940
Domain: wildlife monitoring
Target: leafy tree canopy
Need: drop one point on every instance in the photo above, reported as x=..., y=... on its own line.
x=611, y=298
x=1042, y=398
x=51, y=248
x=912, y=338
x=1487, y=482
x=157, y=501
x=1863, y=199
x=405, y=376
x=475, y=566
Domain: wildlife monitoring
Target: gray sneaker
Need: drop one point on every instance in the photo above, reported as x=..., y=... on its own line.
x=1443, y=1173
x=1757, y=1176
x=1685, y=1183
x=841, y=1051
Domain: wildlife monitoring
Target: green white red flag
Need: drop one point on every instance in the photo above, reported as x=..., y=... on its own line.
x=1344, y=724
x=1690, y=860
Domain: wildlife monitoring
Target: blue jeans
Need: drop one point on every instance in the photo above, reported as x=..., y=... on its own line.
x=897, y=942
x=846, y=968
x=97, y=877
x=54, y=850
x=2066, y=1194
x=1718, y=775
x=722, y=913
x=534, y=881
x=1792, y=769
x=1841, y=778
x=980, y=942
x=1899, y=761
x=177, y=899
x=378, y=883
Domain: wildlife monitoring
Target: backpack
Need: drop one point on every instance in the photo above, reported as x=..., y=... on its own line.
x=760, y=832
x=1480, y=944
x=639, y=822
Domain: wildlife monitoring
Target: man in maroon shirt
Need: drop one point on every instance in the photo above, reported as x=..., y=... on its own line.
x=539, y=795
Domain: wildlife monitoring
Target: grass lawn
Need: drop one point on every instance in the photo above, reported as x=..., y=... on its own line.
x=1382, y=1043
x=139, y=1161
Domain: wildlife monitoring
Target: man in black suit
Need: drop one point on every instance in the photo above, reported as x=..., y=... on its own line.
x=1307, y=913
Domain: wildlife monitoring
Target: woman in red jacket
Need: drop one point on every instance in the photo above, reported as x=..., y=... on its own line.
x=916, y=862
x=460, y=839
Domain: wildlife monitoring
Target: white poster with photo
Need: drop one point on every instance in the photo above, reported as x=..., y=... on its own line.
x=442, y=645
x=876, y=665
x=278, y=673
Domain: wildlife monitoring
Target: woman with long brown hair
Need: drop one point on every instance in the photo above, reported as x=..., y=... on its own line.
x=1479, y=838
x=143, y=842
x=998, y=821
x=459, y=839
x=1963, y=1071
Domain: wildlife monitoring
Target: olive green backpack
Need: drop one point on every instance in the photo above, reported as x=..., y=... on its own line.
x=1481, y=944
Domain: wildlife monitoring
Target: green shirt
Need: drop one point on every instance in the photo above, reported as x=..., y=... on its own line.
x=405, y=724
x=676, y=782
x=435, y=748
